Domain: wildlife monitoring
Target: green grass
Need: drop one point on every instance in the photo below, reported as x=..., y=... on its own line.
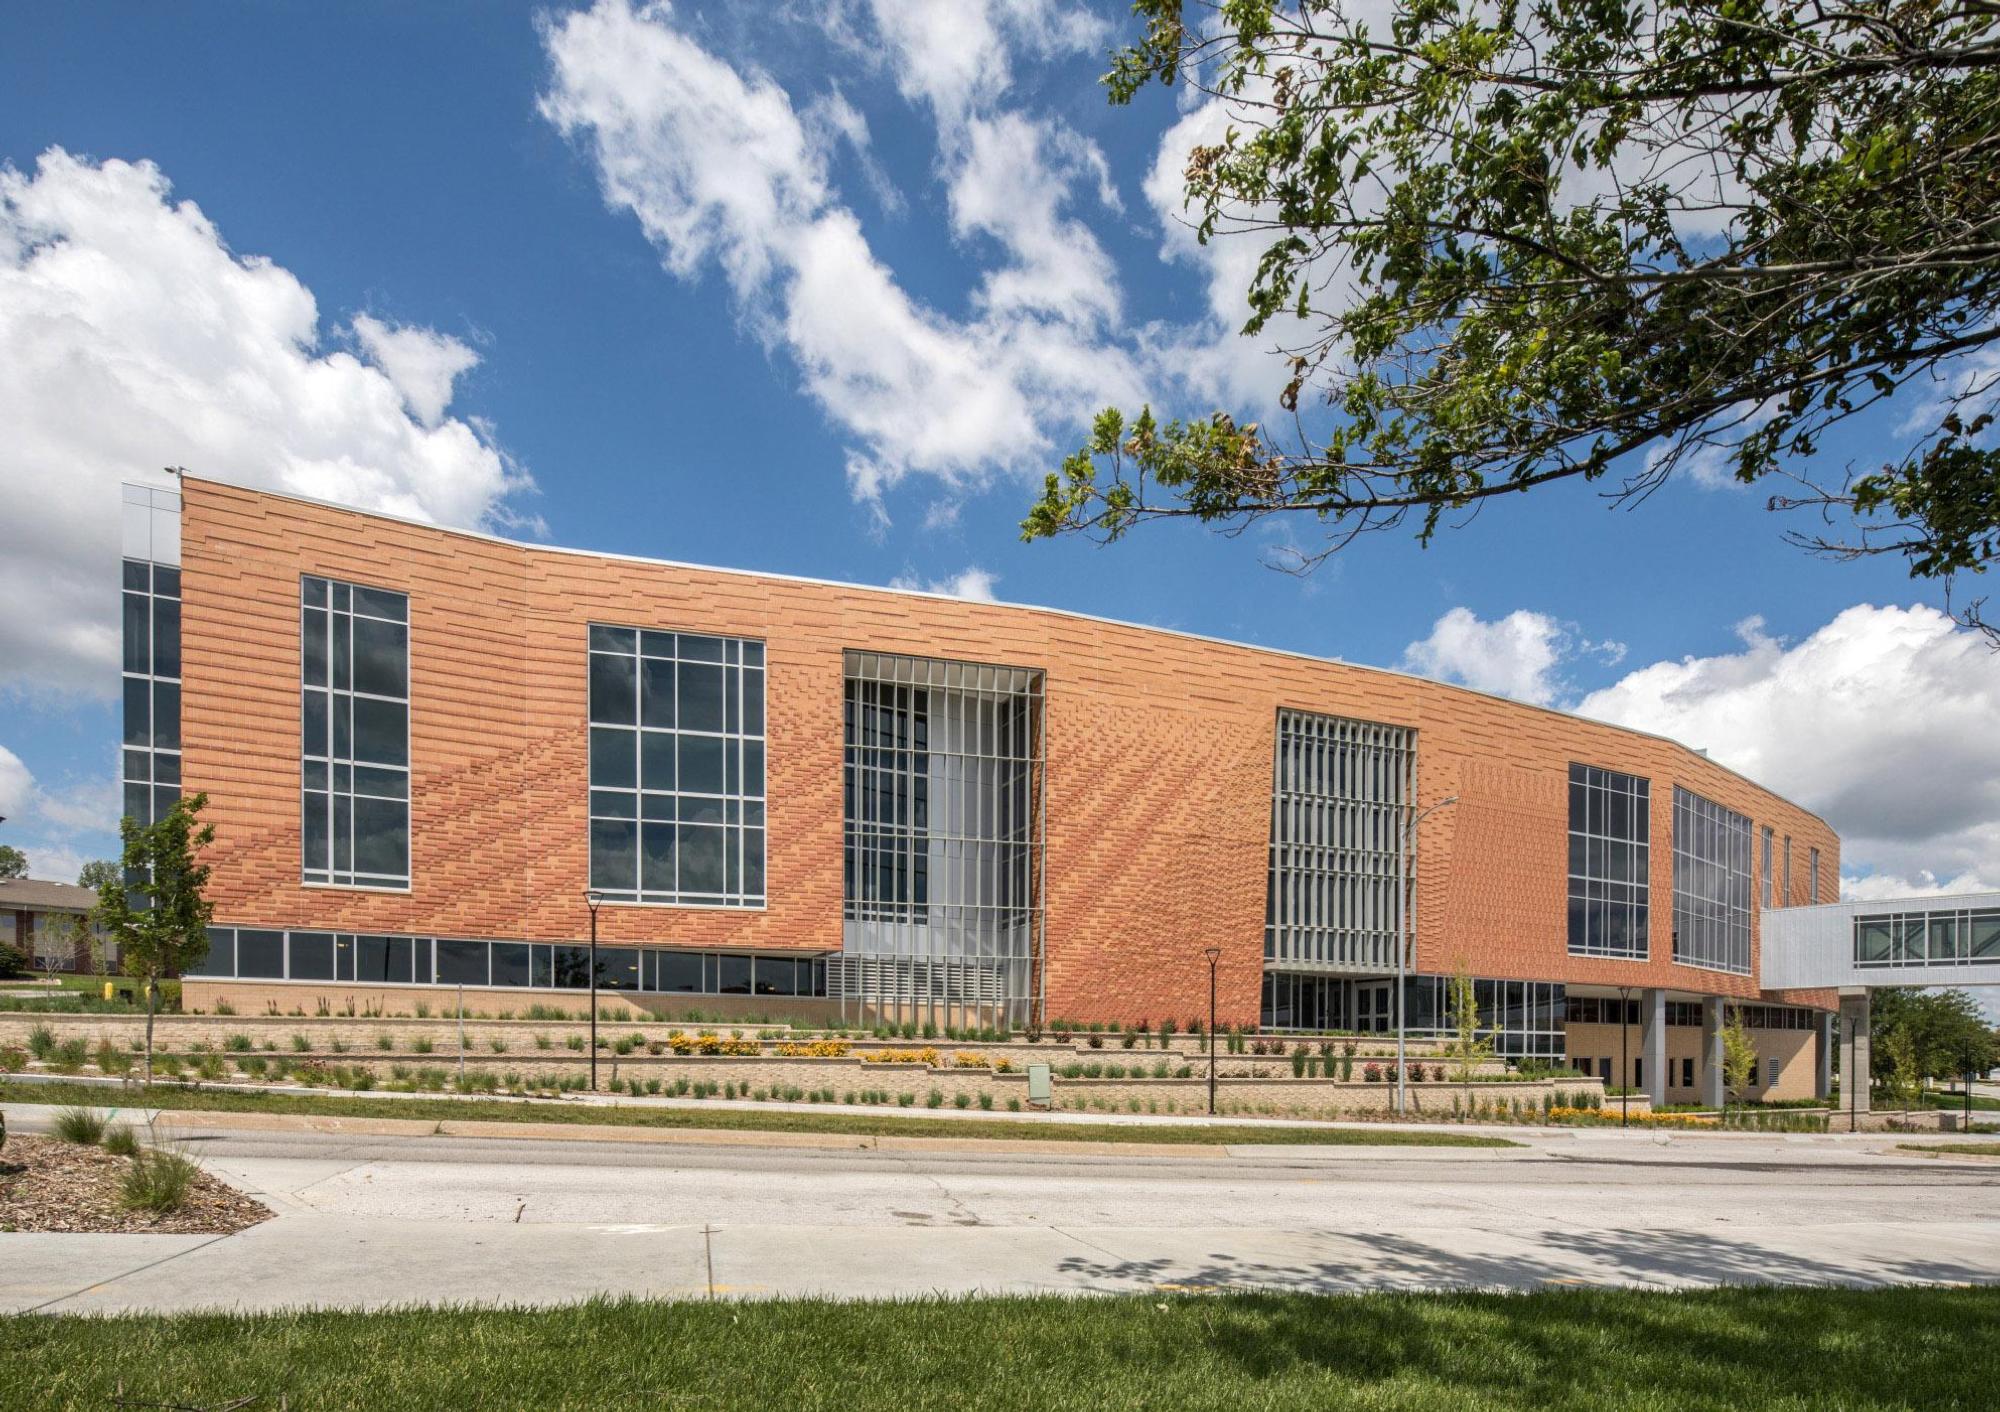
x=518, y=1111
x=1553, y=1352
x=1958, y=1149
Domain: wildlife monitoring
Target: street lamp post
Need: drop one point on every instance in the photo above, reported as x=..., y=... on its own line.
x=1624, y=1056
x=1214, y=954
x=594, y=898
x=1404, y=934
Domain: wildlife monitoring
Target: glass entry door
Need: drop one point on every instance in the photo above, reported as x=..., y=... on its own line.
x=1371, y=1007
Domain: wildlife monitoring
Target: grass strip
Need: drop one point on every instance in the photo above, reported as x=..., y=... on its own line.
x=1958, y=1149
x=1573, y=1349
x=861, y=1124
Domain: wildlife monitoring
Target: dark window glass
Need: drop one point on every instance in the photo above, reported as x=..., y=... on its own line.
x=313, y=592
x=383, y=959
x=753, y=703
x=381, y=731
x=312, y=647
x=138, y=635
x=700, y=697
x=381, y=658
x=733, y=975
x=678, y=971
x=698, y=809
x=312, y=956
x=612, y=639
x=753, y=768
x=701, y=858
x=510, y=963
x=166, y=637
x=312, y=722
x=701, y=764
x=260, y=955
x=657, y=861
x=138, y=711
x=381, y=836
x=381, y=603
x=611, y=758
x=138, y=575
x=461, y=962
x=656, y=754
x=777, y=976
x=753, y=862
x=383, y=783
x=612, y=690
x=656, y=694
x=753, y=654
x=220, y=958
x=700, y=649
x=166, y=716
x=572, y=967
x=614, y=846
x=617, y=968
x=614, y=804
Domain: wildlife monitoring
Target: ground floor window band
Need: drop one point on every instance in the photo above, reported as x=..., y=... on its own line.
x=1523, y=1019
x=274, y=954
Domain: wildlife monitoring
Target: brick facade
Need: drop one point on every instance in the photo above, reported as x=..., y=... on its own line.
x=1158, y=787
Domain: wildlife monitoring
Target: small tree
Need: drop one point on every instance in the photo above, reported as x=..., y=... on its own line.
x=1900, y=1069
x=167, y=931
x=1739, y=1057
x=1467, y=1048
x=13, y=863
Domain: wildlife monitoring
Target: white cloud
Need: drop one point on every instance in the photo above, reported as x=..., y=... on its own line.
x=1875, y=887
x=1520, y=655
x=131, y=338
x=717, y=165
x=45, y=823
x=17, y=786
x=972, y=582
x=1883, y=721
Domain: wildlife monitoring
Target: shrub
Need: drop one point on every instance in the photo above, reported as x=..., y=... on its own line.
x=1185, y=1071
x=986, y=1102
x=13, y=1059
x=69, y=1056
x=934, y=1099
x=813, y=1049
x=158, y=1181
x=422, y=1045
x=542, y=1041
x=962, y=1100
x=121, y=1141
x=1013, y=1105
x=924, y=1056
x=1128, y=1039
x=1095, y=1041
x=223, y=1007
x=41, y=1042
x=1299, y=1062
x=1371, y=1072
x=238, y=1044
x=300, y=1044
x=81, y=1126
x=574, y=1041
x=906, y=1099
x=111, y=1059
x=1416, y=1072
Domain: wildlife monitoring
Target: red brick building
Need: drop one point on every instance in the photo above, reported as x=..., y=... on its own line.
x=424, y=749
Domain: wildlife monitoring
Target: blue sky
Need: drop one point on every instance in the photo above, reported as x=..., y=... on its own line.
x=818, y=295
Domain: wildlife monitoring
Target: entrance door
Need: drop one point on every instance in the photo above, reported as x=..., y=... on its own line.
x=1371, y=1007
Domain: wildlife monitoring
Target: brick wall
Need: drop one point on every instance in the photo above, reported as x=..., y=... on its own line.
x=1158, y=790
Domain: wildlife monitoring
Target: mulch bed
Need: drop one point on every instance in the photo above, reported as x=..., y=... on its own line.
x=50, y=1185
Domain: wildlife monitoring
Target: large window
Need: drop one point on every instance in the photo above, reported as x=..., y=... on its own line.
x=151, y=765
x=1610, y=862
x=249, y=953
x=1947, y=938
x=676, y=768
x=1711, y=884
x=942, y=833
x=1340, y=796
x=354, y=730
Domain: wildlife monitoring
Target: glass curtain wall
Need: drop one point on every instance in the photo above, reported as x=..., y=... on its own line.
x=1610, y=863
x=942, y=806
x=354, y=729
x=150, y=767
x=1712, y=884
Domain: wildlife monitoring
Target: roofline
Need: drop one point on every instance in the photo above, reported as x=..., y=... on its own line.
x=1071, y=613
x=1930, y=902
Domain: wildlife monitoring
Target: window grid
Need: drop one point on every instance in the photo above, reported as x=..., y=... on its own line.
x=1610, y=863
x=354, y=734
x=942, y=836
x=150, y=766
x=275, y=953
x=1524, y=1019
x=1712, y=887
x=1341, y=791
x=1963, y=937
x=677, y=768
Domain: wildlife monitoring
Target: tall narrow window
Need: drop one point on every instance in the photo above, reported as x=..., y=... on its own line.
x=1785, y=890
x=151, y=766
x=1812, y=874
x=1340, y=799
x=676, y=768
x=354, y=732
x=1610, y=862
x=1764, y=869
x=1711, y=884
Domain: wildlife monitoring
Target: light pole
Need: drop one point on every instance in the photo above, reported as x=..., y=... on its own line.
x=593, y=897
x=1214, y=954
x=1625, y=1056
x=1405, y=933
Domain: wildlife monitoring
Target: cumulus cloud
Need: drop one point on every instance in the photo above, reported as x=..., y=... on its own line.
x=717, y=164
x=1882, y=721
x=1521, y=655
x=972, y=582
x=45, y=823
x=132, y=337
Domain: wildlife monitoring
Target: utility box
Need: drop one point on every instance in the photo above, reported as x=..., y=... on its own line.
x=1038, y=1085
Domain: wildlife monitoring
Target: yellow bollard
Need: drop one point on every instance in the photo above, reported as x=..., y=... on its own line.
x=110, y=990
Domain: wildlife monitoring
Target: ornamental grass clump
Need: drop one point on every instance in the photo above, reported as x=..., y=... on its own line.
x=81, y=1126
x=158, y=1181
x=121, y=1141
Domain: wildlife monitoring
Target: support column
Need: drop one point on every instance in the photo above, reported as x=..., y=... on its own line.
x=1854, y=1037
x=1823, y=1078
x=1711, y=1051
x=1653, y=1044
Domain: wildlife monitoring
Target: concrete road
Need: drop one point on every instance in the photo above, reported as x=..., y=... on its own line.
x=369, y=1221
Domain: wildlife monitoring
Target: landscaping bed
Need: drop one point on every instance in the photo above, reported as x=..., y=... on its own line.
x=1587, y=1350
x=47, y=1184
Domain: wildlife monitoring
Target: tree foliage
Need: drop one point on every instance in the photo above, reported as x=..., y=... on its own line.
x=1468, y=1048
x=13, y=863
x=1941, y=1033
x=1739, y=1055
x=159, y=920
x=1508, y=244
x=96, y=873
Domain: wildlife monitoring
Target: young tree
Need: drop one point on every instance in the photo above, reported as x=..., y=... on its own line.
x=1895, y=1065
x=160, y=923
x=13, y=863
x=1739, y=1058
x=1505, y=246
x=1467, y=1048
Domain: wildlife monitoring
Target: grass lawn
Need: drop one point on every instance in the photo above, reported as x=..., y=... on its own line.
x=525, y=1111
x=1961, y=1149
x=1908, y=1348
